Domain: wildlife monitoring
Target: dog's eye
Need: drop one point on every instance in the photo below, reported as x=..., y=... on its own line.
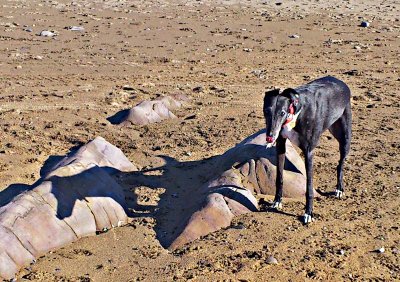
x=283, y=113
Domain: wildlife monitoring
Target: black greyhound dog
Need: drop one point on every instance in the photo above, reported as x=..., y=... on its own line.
x=302, y=115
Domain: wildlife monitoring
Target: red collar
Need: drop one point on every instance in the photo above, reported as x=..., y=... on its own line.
x=290, y=115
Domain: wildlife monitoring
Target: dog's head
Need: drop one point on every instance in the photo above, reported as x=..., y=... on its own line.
x=277, y=108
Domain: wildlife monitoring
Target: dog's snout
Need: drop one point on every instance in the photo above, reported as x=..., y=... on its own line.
x=270, y=139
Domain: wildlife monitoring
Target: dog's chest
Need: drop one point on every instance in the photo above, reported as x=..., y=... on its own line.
x=291, y=134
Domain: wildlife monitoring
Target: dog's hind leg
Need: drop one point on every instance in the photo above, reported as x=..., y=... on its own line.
x=341, y=130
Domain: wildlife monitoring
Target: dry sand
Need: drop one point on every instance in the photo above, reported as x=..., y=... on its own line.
x=56, y=93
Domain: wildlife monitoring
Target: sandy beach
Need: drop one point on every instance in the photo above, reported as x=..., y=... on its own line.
x=56, y=92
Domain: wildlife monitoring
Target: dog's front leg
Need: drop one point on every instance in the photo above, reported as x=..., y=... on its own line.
x=280, y=153
x=309, y=190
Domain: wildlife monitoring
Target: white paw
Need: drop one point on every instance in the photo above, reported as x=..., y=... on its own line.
x=307, y=218
x=277, y=205
x=339, y=194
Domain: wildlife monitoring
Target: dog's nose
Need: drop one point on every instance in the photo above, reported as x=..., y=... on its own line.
x=270, y=139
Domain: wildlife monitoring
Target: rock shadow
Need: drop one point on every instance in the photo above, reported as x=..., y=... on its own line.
x=119, y=117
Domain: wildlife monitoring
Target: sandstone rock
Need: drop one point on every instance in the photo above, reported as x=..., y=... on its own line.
x=95, y=153
x=249, y=168
x=149, y=111
x=74, y=199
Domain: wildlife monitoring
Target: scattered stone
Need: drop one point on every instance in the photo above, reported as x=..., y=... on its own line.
x=248, y=50
x=10, y=25
x=353, y=72
x=395, y=251
x=75, y=28
x=381, y=250
x=294, y=36
x=357, y=47
x=46, y=33
x=190, y=117
x=18, y=67
x=27, y=29
x=128, y=88
x=238, y=226
x=198, y=89
x=271, y=260
x=342, y=252
x=365, y=24
x=259, y=73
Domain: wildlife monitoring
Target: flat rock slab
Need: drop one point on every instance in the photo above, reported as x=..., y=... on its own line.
x=74, y=199
x=249, y=168
x=148, y=112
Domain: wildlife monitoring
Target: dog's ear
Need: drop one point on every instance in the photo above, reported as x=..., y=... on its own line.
x=269, y=96
x=291, y=94
x=273, y=92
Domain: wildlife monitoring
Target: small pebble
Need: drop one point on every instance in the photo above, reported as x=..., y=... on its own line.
x=198, y=89
x=271, y=260
x=75, y=28
x=46, y=33
x=18, y=67
x=364, y=24
x=342, y=252
x=294, y=36
x=127, y=88
x=381, y=250
x=238, y=226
